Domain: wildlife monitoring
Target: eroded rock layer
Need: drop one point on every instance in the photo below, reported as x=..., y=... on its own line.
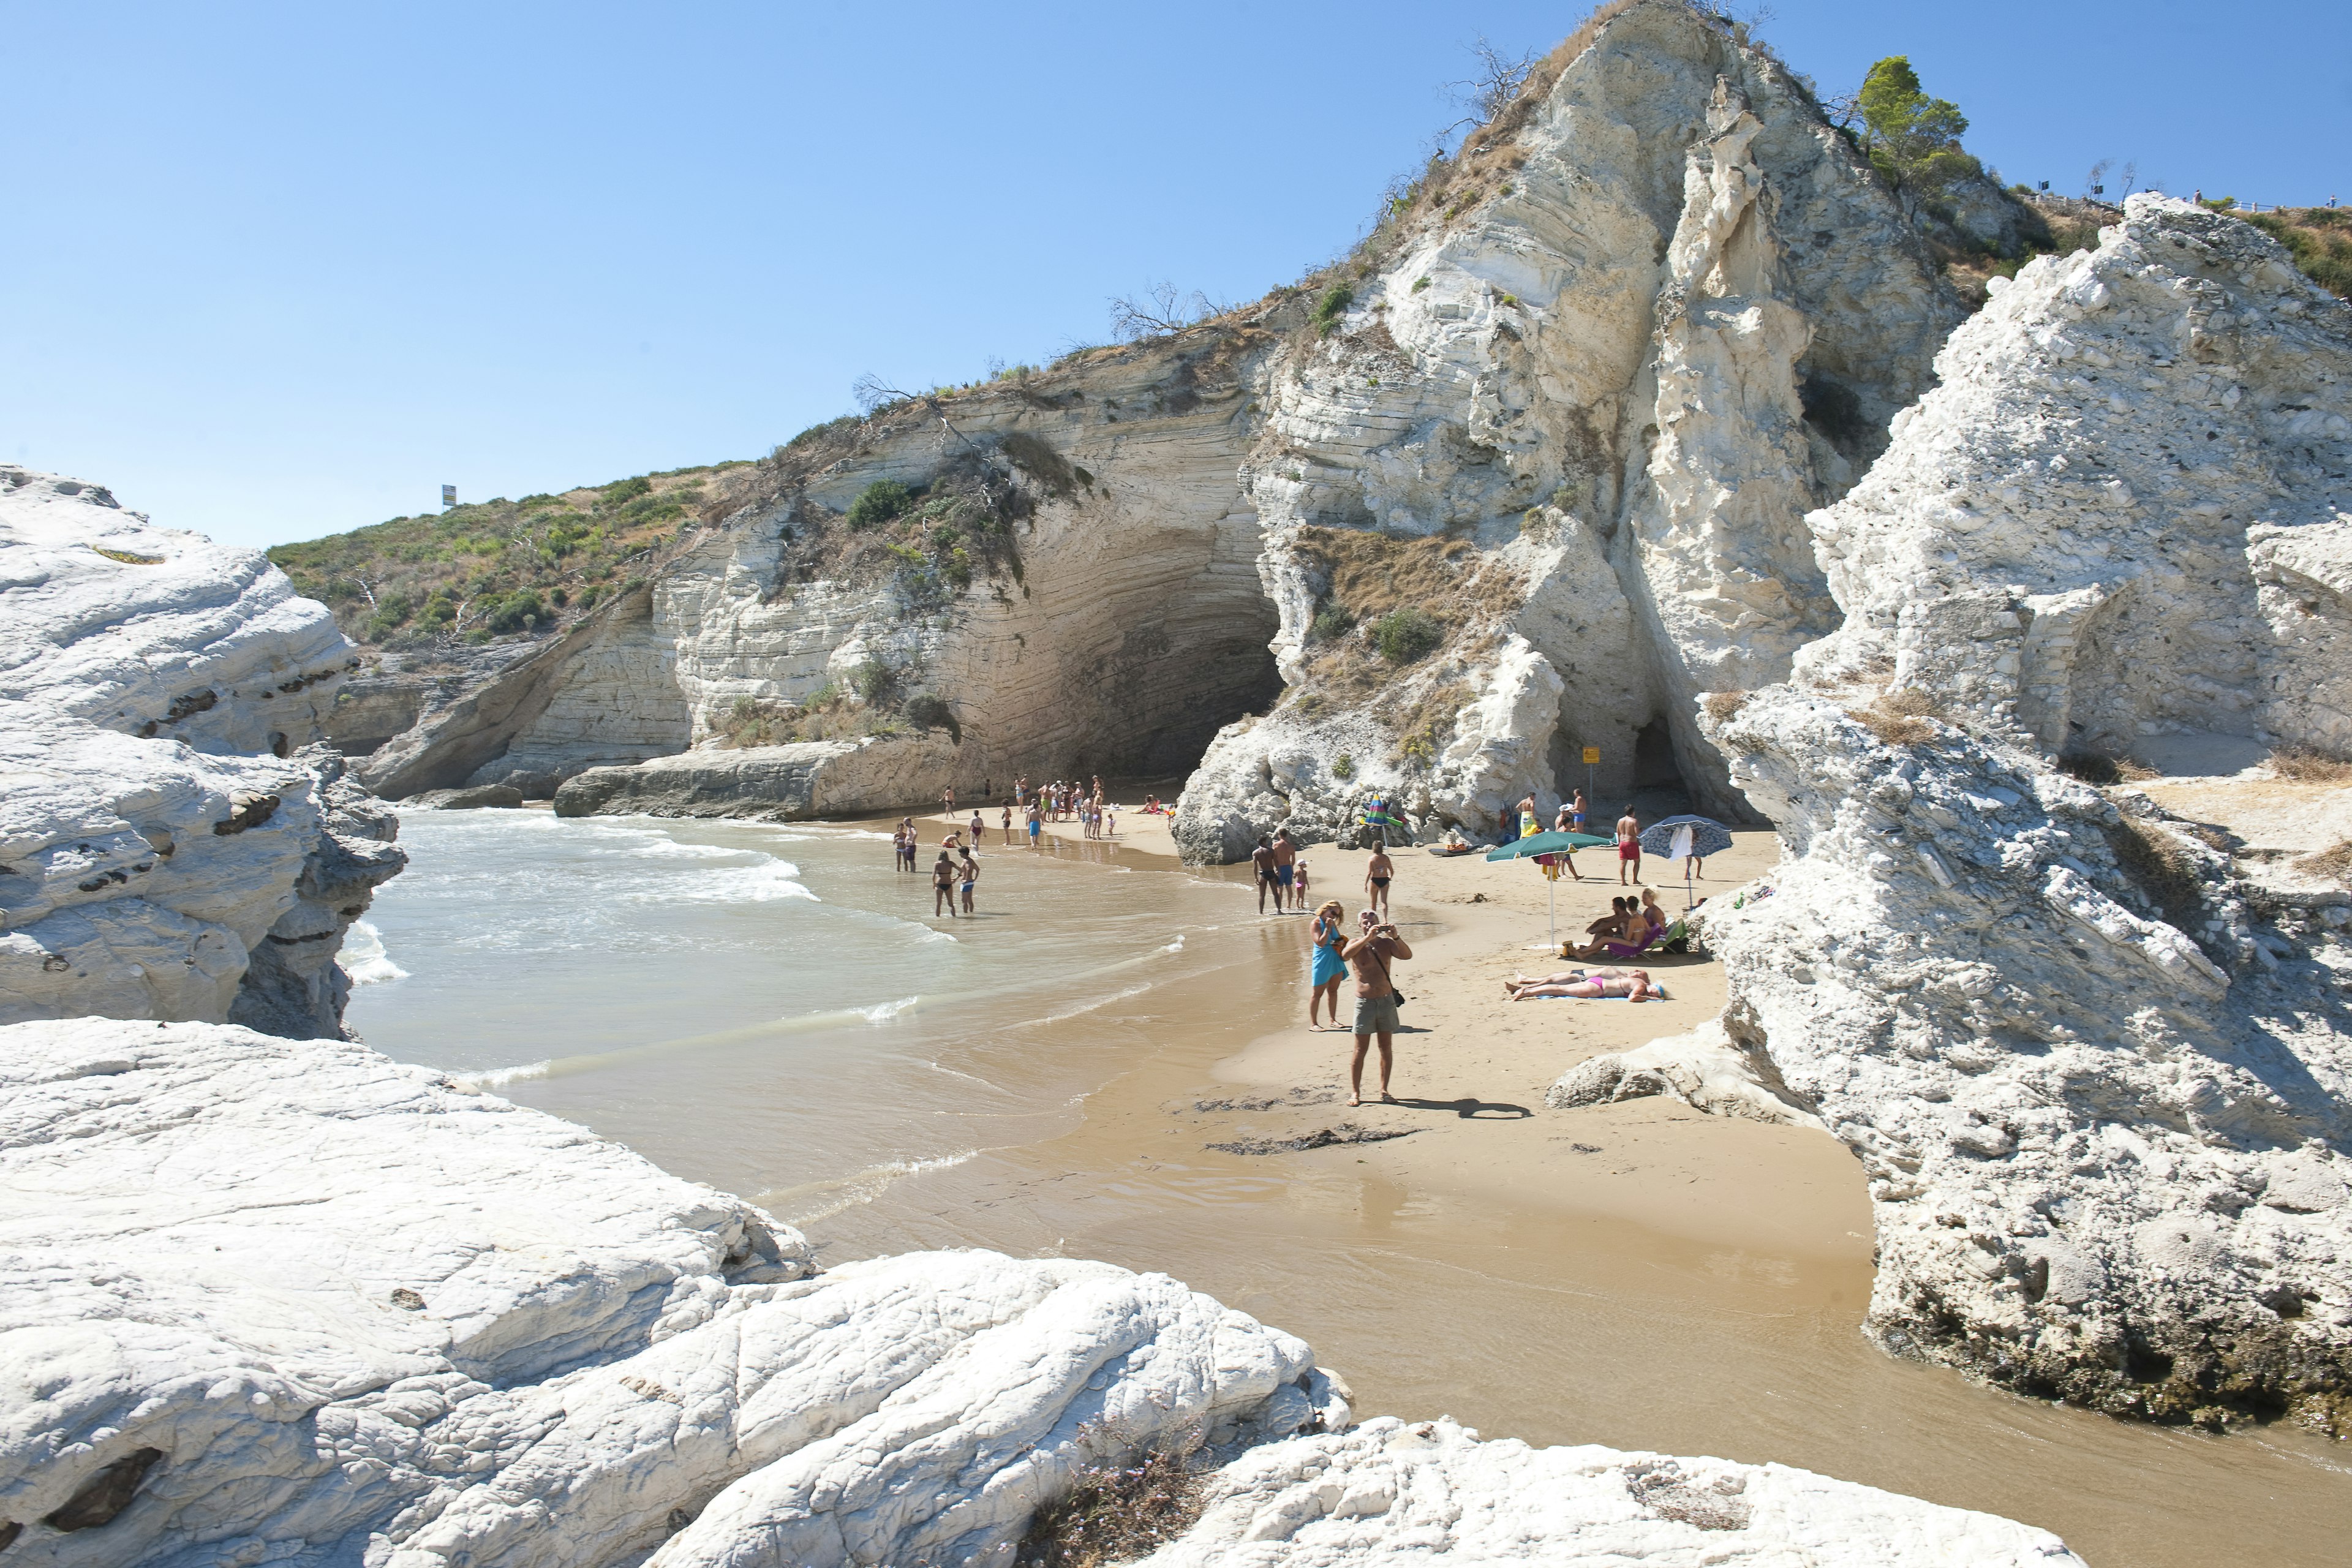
x=166, y=849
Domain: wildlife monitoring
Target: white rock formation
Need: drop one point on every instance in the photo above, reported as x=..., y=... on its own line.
x=1389, y=1491
x=372, y=1318
x=1680, y=316
x=813, y=778
x=2126, y=516
x=1705, y=1069
x=150, y=866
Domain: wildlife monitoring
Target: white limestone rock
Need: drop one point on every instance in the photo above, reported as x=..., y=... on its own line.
x=811, y=778
x=1705, y=1069
x=150, y=866
x=1624, y=375
x=1389, y=1491
x=2126, y=516
x=369, y=1317
x=2107, y=1115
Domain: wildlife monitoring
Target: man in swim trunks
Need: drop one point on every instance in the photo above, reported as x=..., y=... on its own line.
x=949, y=799
x=971, y=876
x=1005, y=825
x=944, y=889
x=1286, y=853
x=1629, y=848
x=1036, y=824
x=1378, y=871
x=1369, y=956
x=1262, y=857
x=1575, y=813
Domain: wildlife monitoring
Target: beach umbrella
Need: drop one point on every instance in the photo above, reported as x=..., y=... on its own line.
x=1552, y=843
x=1680, y=838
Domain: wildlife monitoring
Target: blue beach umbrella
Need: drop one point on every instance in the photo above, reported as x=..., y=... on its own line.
x=1708, y=837
x=1553, y=843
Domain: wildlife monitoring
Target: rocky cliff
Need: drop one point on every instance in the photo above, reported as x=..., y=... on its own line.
x=167, y=850
x=2096, y=1070
x=373, y=1319
x=1569, y=404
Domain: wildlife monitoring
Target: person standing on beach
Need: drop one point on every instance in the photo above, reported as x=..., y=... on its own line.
x=944, y=889
x=1528, y=821
x=1323, y=982
x=1567, y=856
x=979, y=828
x=1575, y=813
x=1007, y=825
x=1286, y=853
x=1378, y=871
x=1376, y=1004
x=971, y=876
x=949, y=799
x=1036, y=825
x=1629, y=848
x=1298, y=894
x=1262, y=860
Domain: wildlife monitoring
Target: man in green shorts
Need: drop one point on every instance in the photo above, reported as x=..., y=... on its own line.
x=1369, y=956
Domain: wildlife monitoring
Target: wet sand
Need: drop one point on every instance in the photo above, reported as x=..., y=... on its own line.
x=1637, y=1275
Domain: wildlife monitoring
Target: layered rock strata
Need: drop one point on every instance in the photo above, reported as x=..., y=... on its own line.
x=166, y=849
x=816, y=778
x=374, y=1319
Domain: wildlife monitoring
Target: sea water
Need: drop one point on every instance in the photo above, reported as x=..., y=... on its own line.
x=777, y=1010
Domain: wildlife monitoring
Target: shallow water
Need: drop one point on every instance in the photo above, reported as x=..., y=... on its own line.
x=772, y=1010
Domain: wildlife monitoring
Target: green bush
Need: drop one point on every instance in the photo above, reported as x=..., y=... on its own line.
x=621, y=491
x=1913, y=140
x=1333, y=622
x=882, y=502
x=1333, y=305
x=1403, y=636
x=876, y=682
x=1419, y=284
x=1343, y=767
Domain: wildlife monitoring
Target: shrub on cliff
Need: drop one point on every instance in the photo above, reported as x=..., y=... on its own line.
x=1331, y=308
x=1913, y=140
x=884, y=500
x=1405, y=635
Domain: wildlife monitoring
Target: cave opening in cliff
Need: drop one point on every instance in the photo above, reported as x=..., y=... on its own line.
x=1655, y=767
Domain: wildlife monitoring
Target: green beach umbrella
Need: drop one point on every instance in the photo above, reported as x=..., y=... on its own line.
x=1552, y=843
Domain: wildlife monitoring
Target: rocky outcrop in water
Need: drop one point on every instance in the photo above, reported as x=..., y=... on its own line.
x=167, y=850
x=817, y=778
x=372, y=1318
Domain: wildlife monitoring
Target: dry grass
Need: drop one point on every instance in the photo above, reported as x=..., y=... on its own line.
x=2161, y=864
x=2335, y=863
x=1723, y=705
x=1115, y=1514
x=2304, y=766
x=1372, y=575
x=1428, y=724
x=1901, y=718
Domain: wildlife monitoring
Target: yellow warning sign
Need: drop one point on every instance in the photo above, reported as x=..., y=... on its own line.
x=1592, y=755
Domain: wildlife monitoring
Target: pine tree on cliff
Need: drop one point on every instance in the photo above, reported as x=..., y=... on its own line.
x=1912, y=139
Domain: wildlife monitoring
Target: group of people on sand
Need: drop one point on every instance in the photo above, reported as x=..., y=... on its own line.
x=1282, y=874
x=1061, y=801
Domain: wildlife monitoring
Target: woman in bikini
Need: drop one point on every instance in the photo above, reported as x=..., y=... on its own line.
x=1323, y=983
x=943, y=886
x=1633, y=985
x=1378, y=871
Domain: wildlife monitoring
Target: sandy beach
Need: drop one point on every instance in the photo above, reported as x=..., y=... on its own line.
x=1638, y=1275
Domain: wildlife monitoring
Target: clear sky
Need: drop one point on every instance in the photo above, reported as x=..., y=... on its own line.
x=278, y=270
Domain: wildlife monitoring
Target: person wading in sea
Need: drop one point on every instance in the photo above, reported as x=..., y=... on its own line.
x=1262, y=857
x=944, y=886
x=1286, y=853
x=970, y=879
x=1036, y=825
x=1369, y=956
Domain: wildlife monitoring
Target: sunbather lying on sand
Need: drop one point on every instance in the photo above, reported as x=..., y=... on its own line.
x=1633, y=985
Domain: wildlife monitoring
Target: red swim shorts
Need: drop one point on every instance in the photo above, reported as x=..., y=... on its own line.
x=1630, y=849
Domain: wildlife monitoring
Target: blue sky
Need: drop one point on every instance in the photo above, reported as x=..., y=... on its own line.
x=273, y=271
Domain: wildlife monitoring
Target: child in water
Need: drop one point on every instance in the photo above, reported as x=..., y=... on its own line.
x=1298, y=881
